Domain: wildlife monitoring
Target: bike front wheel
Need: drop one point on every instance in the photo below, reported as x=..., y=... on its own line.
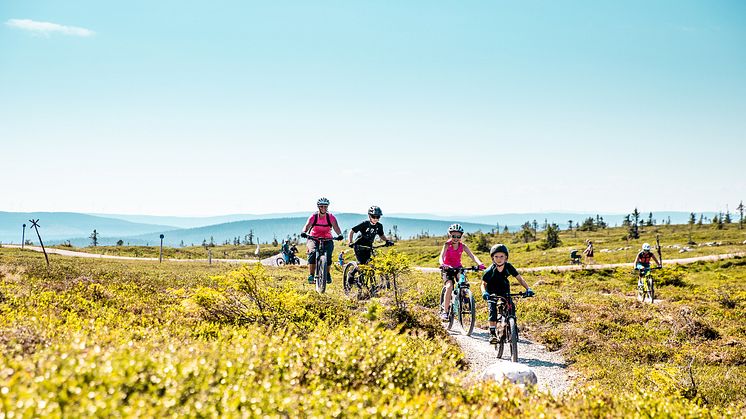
x=321, y=274
x=467, y=314
x=349, y=277
x=453, y=311
x=513, y=328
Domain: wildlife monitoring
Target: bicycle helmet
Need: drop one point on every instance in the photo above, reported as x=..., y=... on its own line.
x=455, y=227
x=322, y=201
x=646, y=247
x=375, y=211
x=499, y=248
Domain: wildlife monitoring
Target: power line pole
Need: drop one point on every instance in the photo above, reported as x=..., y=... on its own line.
x=160, y=258
x=35, y=225
x=23, y=236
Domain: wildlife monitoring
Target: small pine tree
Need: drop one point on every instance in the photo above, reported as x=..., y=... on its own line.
x=740, y=209
x=94, y=238
x=727, y=219
x=634, y=231
x=552, y=240
x=505, y=230
x=527, y=233
x=692, y=218
x=120, y=242
x=650, y=220
x=569, y=225
x=701, y=217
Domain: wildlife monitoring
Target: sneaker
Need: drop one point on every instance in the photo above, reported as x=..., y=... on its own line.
x=329, y=279
x=310, y=279
x=444, y=317
x=493, y=339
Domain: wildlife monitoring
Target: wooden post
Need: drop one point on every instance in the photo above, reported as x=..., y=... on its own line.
x=35, y=225
x=658, y=245
x=23, y=236
x=209, y=256
x=160, y=258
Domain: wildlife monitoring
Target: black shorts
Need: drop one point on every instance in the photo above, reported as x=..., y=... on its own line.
x=362, y=255
x=328, y=247
x=493, y=309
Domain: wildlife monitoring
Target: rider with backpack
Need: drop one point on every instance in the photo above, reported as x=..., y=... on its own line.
x=368, y=230
x=320, y=224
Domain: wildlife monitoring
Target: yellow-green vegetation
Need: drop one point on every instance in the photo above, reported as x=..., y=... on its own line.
x=111, y=338
x=610, y=245
x=692, y=342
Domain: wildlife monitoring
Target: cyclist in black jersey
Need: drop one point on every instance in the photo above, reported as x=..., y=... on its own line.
x=368, y=231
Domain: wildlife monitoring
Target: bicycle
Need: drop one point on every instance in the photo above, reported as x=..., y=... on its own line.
x=645, y=284
x=507, y=327
x=320, y=275
x=463, y=305
x=354, y=276
x=292, y=259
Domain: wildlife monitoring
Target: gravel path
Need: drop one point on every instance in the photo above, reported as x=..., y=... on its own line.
x=549, y=367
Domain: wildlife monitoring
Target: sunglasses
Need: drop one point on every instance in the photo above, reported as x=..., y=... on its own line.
x=375, y=217
x=455, y=236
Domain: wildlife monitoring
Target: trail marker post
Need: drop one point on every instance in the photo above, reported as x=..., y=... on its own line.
x=209, y=256
x=160, y=258
x=35, y=225
x=23, y=236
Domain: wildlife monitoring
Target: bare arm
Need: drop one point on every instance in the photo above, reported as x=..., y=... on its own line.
x=522, y=281
x=336, y=228
x=471, y=255
x=349, y=237
x=442, y=252
x=307, y=226
x=656, y=260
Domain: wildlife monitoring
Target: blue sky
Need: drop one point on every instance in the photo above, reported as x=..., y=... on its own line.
x=205, y=108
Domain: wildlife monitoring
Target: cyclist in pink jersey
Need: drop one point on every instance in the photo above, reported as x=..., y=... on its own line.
x=320, y=225
x=450, y=257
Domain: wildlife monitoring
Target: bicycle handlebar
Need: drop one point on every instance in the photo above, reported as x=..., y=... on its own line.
x=319, y=239
x=494, y=297
x=371, y=247
x=460, y=269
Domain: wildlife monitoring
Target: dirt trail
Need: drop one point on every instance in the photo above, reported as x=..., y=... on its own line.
x=270, y=261
x=549, y=367
x=563, y=268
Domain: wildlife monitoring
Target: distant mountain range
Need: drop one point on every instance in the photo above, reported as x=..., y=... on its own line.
x=57, y=227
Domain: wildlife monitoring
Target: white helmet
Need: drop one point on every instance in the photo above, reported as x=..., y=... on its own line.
x=322, y=201
x=455, y=227
x=646, y=247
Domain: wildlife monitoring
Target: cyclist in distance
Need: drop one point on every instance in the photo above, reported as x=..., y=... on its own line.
x=642, y=261
x=368, y=230
x=450, y=257
x=286, y=252
x=320, y=224
x=495, y=281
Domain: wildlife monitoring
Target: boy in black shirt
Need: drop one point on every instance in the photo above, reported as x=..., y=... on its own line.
x=368, y=231
x=495, y=280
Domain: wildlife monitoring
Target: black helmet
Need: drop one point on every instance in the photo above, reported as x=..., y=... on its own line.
x=499, y=248
x=375, y=211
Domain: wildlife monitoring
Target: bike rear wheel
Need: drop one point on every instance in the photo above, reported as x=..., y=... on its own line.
x=513, y=329
x=500, y=345
x=442, y=300
x=651, y=290
x=640, y=290
x=280, y=261
x=321, y=274
x=467, y=314
x=452, y=312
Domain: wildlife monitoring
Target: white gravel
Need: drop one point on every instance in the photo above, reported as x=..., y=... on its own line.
x=549, y=367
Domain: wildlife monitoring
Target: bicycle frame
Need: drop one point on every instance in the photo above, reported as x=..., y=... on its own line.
x=507, y=323
x=363, y=280
x=460, y=295
x=320, y=274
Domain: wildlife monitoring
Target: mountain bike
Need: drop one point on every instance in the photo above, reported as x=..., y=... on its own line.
x=364, y=280
x=321, y=274
x=645, y=284
x=507, y=327
x=462, y=306
x=292, y=258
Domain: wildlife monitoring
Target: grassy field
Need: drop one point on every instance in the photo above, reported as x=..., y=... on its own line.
x=100, y=338
x=611, y=246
